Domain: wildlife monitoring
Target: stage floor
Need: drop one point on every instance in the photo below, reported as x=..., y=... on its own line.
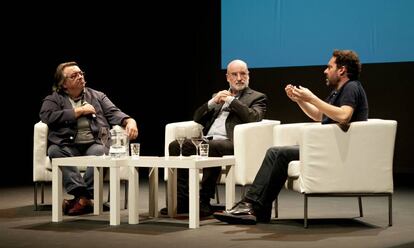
x=333, y=223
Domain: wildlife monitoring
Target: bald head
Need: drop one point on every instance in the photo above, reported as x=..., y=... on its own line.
x=237, y=63
x=237, y=75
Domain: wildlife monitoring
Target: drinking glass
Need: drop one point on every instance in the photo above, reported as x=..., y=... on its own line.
x=104, y=137
x=180, y=137
x=196, y=137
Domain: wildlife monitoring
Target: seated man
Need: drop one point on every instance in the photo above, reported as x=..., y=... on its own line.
x=219, y=116
x=346, y=103
x=75, y=115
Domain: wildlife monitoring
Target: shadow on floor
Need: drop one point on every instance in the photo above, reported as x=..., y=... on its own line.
x=26, y=211
x=88, y=225
x=318, y=229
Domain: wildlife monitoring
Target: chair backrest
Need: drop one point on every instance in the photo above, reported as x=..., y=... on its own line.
x=170, y=129
x=251, y=141
x=359, y=160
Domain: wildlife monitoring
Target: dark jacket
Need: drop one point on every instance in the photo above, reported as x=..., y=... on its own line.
x=250, y=107
x=57, y=112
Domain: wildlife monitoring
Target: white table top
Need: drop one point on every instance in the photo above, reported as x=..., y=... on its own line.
x=184, y=162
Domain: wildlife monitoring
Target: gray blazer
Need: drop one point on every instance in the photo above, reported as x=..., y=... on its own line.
x=57, y=112
x=250, y=107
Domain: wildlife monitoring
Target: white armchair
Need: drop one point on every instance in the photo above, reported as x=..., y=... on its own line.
x=251, y=141
x=332, y=162
x=42, y=166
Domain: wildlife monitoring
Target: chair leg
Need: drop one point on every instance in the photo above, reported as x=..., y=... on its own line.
x=305, y=214
x=126, y=194
x=217, y=195
x=35, y=196
x=109, y=194
x=276, y=208
x=243, y=191
x=166, y=193
x=42, y=196
x=361, y=213
x=390, y=210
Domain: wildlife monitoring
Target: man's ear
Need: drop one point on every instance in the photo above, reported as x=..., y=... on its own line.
x=342, y=70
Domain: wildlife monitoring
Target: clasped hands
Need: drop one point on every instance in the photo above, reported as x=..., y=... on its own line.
x=222, y=96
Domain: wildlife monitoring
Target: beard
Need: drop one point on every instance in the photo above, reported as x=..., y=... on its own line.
x=239, y=86
x=332, y=82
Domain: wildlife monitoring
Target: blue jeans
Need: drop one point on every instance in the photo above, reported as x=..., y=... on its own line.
x=73, y=181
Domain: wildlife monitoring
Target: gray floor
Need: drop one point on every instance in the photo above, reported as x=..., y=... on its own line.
x=333, y=224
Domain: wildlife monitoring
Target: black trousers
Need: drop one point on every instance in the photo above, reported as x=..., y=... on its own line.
x=217, y=148
x=271, y=176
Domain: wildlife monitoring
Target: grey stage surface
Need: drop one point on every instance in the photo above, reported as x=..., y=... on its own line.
x=333, y=223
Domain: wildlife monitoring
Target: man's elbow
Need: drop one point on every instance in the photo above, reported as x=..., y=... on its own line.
x=344, y=119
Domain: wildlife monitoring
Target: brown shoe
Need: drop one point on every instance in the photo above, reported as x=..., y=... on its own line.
x=68, y=204
x=82, y=206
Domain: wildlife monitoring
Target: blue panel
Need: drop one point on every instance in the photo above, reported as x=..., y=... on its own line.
x=279, y=33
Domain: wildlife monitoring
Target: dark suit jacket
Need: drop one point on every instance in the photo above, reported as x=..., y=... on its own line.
x=250, y=107
x=57, y=112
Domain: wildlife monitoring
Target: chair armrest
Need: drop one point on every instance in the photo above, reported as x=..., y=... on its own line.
x=289, y=134
x=251, y=140
x=359, y=160
x=41, y=161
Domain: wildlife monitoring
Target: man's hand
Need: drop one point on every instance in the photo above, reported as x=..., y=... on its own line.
x=303, y=94
x=221, y=96
x=289, y=92
x=131, y=128
x=85, y=109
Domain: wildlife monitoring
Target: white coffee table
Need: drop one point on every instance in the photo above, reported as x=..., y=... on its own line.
x=194, y=165
x=97, y=162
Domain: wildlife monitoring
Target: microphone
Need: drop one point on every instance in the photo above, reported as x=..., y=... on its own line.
x=83, y=104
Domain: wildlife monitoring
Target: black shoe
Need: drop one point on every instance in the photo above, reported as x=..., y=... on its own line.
x=180, y=210
x=106, y=206
x=263, y=214
x=241, y=213
x=205, y=210
x=263, y=217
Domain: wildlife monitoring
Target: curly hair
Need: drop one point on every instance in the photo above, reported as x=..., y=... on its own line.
x=350, y=60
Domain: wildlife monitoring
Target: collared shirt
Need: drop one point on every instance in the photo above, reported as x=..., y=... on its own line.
x=218, y=128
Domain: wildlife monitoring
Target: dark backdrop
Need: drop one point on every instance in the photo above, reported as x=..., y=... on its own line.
x=158, y=69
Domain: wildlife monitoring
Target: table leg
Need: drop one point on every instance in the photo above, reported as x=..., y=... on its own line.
x=97, y=190
x=57, y=194
x=194, y=201
x=172, y=192
x=133, y=194
x=230, y=187
x=115, y=191
x=153, y=192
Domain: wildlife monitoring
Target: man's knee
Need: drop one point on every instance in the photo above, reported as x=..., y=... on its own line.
x=272, y=151
x=55, y=151
x=174, y=148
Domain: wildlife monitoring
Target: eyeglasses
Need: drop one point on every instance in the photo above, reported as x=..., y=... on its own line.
x=243, y=74
x=76, y=75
